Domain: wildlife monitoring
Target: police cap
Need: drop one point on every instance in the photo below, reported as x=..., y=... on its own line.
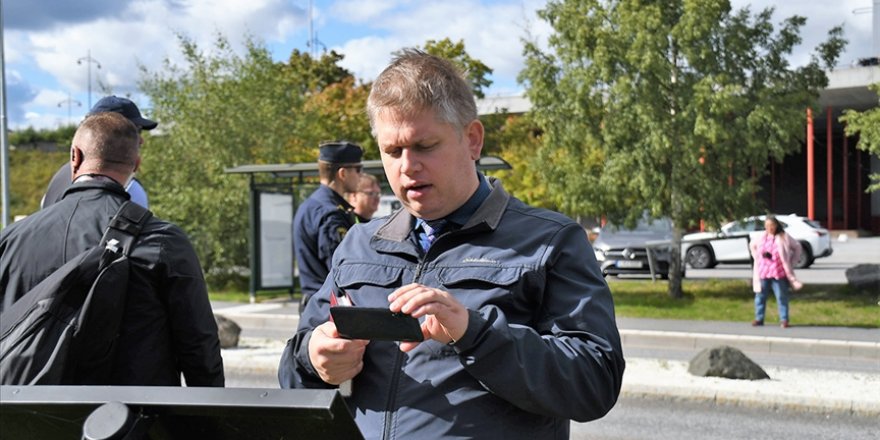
x=340, y=152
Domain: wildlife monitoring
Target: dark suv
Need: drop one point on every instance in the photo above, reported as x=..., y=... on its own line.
x=623, y=251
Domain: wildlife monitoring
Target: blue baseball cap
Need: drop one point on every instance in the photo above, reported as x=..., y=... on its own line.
x=124, y=107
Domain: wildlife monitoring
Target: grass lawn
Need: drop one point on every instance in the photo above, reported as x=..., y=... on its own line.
x=712, y=300
x=733, y=300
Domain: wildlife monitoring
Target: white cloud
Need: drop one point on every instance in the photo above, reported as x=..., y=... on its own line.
x=821, y=17
x=491, y=33
x=124, y=33
x=362, y=11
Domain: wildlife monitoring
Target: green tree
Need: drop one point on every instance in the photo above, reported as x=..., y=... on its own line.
x=649, y=106
x=867, y=125
x=337, y=113
x=476, y=71
x=218, y=110
x=29, y=175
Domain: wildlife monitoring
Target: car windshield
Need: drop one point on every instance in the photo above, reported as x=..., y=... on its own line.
x=812, y=223
x=659, y=226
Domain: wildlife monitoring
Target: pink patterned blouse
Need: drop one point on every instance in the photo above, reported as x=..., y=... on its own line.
x=770, y=267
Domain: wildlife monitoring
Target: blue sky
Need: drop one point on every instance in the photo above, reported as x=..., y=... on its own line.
x=44, y=39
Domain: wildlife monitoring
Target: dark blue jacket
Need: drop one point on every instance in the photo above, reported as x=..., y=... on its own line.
x=541, y=348
x=319, y=225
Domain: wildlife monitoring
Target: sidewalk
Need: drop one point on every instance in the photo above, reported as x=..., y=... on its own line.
x=657, y=352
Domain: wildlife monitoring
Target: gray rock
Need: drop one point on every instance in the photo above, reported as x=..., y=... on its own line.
x=725, y=361
x=228, y=331
x=864, y=277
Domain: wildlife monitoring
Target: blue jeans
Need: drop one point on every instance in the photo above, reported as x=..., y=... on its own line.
x=780, y=288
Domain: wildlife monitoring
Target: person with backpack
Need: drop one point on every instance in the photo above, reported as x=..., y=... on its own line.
x=167, y=324
x=775, y=254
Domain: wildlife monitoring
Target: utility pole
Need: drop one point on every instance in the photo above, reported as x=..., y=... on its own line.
x=69, y=101
x=89, y=60
x=4, y=142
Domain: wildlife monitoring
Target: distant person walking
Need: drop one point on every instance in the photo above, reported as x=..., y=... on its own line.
x=62, y=178
x=775, y=254
x=366, y=199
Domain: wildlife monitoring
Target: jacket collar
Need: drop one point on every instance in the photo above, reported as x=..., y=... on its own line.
x=336, y=198
x=399, y=226
x=104, y=185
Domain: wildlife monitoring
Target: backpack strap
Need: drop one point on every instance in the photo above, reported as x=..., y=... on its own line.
x=122, y=230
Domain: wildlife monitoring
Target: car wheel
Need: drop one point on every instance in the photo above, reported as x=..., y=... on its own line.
x=806, y=259
x=700, y=257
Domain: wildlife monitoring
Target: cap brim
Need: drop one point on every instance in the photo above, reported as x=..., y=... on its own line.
x=145, y=124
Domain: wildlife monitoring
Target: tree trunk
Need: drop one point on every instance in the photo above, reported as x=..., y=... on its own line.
x=675, y=263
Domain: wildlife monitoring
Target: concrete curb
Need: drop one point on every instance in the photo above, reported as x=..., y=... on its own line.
x=263, y=320
x=803, y=404
x=761, y=344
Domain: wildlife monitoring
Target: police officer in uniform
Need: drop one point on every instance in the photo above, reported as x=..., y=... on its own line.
x=322, y=220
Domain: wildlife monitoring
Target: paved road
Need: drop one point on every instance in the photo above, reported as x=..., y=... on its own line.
x=664, y=419
x=828, y=270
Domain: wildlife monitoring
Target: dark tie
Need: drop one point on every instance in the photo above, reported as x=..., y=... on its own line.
x=430, y=230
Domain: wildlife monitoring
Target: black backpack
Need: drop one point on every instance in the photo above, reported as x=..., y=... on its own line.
x=64, y=330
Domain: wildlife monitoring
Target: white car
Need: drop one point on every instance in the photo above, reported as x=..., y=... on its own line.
x=703, y=250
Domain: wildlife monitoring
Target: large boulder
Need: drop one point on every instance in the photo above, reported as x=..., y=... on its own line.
x=864, y=277
x=725, y=361
x=228, y=331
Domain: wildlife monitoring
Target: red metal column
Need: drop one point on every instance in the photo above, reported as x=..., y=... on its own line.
x=811, y=181
x=858, y=189
x=846, y=224
x=829, y=170
x=773, y=186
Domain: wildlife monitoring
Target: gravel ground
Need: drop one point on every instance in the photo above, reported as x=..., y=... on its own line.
x=795, y=389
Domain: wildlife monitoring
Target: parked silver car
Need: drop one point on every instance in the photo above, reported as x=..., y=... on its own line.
x=623, y=251
x=704, y=250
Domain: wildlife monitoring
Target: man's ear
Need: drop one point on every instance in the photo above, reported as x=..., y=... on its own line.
x=475, y=133
x=76, y=159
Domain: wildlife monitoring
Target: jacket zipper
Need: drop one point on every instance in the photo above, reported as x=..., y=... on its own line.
x=395, y=379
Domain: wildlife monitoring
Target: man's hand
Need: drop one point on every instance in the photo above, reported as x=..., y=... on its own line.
x=446, y=319
x=335, y=359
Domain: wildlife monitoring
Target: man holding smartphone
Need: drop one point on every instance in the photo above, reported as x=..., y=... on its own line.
x=518, y=322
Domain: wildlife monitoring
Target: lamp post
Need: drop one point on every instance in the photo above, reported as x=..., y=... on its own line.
x=69, y=101
x=89, y=60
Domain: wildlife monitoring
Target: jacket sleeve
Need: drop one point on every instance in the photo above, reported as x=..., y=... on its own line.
x=784, y=248
x=569, y=364
x=193, y=328
x=295, y=368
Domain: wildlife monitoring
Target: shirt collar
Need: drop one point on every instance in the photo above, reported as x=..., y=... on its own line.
x=461, y=215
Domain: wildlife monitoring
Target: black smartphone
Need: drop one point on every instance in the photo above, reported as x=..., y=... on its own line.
x=376, y=324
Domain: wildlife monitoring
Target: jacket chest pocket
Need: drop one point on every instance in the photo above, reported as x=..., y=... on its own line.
x=368, y=285
x=476, y=286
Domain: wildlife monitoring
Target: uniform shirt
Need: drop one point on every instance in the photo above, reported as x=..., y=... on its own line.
x=319, y=225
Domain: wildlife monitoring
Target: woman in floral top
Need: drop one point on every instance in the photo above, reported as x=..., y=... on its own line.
x=775, y=254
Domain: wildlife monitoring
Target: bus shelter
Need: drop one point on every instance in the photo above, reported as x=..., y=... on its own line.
x=275, y=192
